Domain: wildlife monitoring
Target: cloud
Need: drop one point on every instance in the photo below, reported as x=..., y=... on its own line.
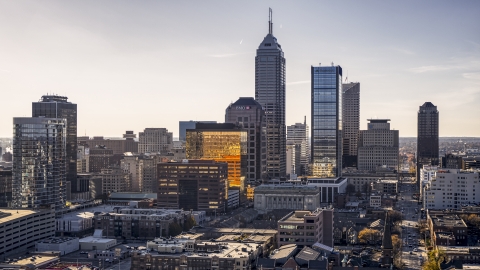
x=298, y=82
x=472, y=75
x=225, y=55
x=432, y=68
x=403, y=51
x=241, y=41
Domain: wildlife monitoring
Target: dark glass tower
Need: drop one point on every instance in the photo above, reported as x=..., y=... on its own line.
x=427, y=137
x=53, y=106
x=326, y=121
x=351, y=123
x=39, y=162
x=270, y=93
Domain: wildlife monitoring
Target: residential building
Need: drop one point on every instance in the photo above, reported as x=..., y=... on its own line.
x=306, y=228
x=447, y=230
x=326, y=106
x=249, y=114
x=39, y=162
x=329, y=188
x=184, y=125
x=378, y=146
x=53, y=106
x=5, y=187
x=268, y=197
x=153, y=140
x=427, y=137
x=200, y=185
x=223, y=143
x=351, y=122
x=197, y=255
x=297, y=135
x=450, y=189
x=21, y=228
x=270, y=93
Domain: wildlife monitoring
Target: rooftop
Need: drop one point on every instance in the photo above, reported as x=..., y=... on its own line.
x=92, y=239
x=447, y=221
x=56, y=240
x=283, y=251
x=286, y=187
x=12, y=214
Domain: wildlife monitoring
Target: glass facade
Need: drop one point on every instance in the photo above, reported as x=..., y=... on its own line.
x=59, y=107
x=228, y=146
x=39, y=162
x=326, y=154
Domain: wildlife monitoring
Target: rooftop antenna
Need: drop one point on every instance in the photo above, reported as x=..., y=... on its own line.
x=270, y=24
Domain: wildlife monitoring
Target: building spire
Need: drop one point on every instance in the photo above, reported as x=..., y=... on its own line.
x=270, y=23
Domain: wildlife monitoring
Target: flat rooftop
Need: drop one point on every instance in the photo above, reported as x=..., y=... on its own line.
x=38, y=261
x=13, y=214
x=56, y=240
x=448, y=221
x=91, y=239
x=283, y=251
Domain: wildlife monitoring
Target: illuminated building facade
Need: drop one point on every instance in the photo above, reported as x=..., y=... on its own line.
x=223, y=143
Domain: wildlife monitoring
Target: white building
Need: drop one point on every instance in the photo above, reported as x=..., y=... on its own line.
x=378, y=146
x=450, y=189
x=427, y=173
x=292, y=197
x=328, y=187
x=64, y=245
x=96, y=242
x=233, y=198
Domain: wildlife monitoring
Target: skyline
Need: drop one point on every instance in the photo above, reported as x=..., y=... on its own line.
x=117, y=62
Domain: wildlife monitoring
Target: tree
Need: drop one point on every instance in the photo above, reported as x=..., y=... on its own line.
x=397, y=251
x=350, y=189
x=368, y=235
x=174, y=229
x=395, y=216
x=434, y=259
x=189, y=223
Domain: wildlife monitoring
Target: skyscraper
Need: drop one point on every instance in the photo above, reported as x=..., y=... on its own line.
x=427, y=137
x=248, y=114
x=351, y=122
x=297, y=135
x=326, y=121
x=53, y=106
x=39, y=162
x=270, y=93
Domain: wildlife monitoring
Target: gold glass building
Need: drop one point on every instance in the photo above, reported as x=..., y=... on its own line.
x=223, y=143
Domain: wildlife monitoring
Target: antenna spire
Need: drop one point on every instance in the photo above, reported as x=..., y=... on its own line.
x=270, y=23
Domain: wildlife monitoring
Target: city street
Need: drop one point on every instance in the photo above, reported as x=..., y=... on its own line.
x=412, y=253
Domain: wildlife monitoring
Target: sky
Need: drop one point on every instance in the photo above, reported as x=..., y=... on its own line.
x=131, y=65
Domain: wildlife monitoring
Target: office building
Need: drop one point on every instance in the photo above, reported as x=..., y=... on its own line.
x=143, y=170
x=201, y=255
x=378, y=146
x=100, y=158
x=384, y=186
x=200, y=185
x=53, y=106
x=20, y=229
x=119, y=146
x=5, y=187
x=184, y=125
x=327, y=142
x=155, y=140
x=268, y=197
x=249, y=115
x=329, y=188
x=292, y=160
x=351, y=122
x=450, y=189
x=451, y=161
x=297, y=135
x=270, y=93
x=305, y=228
x=114, y=180
x=427, y=137
x=223, y=143
x=39, y=162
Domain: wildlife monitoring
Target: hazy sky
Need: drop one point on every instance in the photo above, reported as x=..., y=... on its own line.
x=130, y=65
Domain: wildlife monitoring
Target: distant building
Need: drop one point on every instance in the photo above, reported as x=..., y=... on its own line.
x=101, y=158
x=22, y=228
x=427, y=137
x=351, y=122
x=119, y=146
x=222, y=143
x=249, y=114
x=269, y=197
x=200, y=185
x=39, y=162
x=451, y=161
x=378, y=146
x=375, y=201
x=5, y=187
x=143, y=170
x=297, y=135
x=153, y=140
x=450, y=189
x=326, y=106
x=114, y=180
x=53, y=106
x=184, y=125
x=316, y=227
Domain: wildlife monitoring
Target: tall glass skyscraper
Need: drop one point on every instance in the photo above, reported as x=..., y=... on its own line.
x=427, y=137
x=39, y=162
x=326, y=156
x=270, y=93
x=53, y=106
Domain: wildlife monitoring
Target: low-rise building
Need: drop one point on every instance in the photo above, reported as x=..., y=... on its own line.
x=305, y=228
x=21, y=228
x=375, y=201
x=233, y=198
x=443, y=225
x=328, y=187
x=96, y=243
x=290, y=197
x=385, y=186
x=63, y=245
